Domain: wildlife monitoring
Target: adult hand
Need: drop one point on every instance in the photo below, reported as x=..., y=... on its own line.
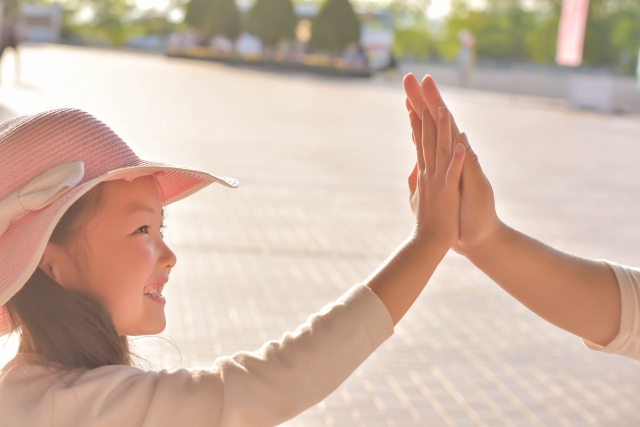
x=478, y=219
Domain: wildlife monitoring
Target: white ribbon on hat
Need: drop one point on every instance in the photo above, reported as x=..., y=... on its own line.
x=40, y=192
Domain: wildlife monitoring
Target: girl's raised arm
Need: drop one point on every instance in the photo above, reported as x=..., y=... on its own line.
x=283, y=378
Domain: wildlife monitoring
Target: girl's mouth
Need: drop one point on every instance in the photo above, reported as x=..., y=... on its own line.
x=154, y=292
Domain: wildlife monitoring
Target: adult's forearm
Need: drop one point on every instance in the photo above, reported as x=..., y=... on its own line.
x=401, y=278
x=576, y=294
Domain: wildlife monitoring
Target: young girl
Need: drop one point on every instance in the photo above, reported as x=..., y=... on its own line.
x=598, y=301
x=83, y=265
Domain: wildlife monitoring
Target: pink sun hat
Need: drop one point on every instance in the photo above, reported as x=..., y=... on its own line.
x=47, y=162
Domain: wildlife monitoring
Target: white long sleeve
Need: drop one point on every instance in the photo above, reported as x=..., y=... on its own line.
x=627, y=342
x=261, y=388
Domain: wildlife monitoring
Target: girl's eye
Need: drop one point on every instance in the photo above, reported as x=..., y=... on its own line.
x=145, y=229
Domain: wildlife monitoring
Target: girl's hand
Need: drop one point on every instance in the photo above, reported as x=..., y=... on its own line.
x=435, y=200
x=478, y=219
x=434, y=186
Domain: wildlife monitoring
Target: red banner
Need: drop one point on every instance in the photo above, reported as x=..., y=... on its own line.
x=573, y=22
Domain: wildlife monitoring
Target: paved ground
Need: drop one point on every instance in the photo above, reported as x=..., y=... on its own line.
x=322, y=164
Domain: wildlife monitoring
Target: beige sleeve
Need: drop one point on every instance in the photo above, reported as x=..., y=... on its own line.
x=261, y=388
x=627, y=342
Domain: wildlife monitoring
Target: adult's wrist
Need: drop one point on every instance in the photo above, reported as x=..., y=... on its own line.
x=488, y=243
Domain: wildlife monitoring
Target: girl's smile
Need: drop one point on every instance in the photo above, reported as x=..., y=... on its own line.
x=120, y=256
x=154, y=291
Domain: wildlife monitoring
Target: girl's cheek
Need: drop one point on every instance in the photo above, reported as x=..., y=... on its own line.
x=140, y=252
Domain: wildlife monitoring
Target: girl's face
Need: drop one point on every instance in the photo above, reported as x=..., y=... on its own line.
x=121, y=259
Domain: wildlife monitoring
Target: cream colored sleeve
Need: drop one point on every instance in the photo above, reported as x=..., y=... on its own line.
x=627, y=342
x=261, y=388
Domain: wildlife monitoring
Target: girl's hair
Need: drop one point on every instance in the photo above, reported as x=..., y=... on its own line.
x=67, y=327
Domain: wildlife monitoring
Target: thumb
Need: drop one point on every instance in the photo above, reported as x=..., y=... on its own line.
x=471, y=163
x=413, y=179
x=455, y=167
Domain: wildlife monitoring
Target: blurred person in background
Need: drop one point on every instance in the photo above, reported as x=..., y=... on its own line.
x=466, y=56
x=11, y=37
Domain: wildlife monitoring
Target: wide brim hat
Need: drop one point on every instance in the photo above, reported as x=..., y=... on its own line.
x=47, y=162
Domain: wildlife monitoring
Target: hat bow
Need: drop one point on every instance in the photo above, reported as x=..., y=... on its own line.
x=40, y=192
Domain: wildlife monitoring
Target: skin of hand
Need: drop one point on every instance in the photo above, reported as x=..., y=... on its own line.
x=435, y=200
x=478, y=218
x=579, y=295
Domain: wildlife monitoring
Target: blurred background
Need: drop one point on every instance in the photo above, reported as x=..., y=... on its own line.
x=505, y=45
x=303, y=103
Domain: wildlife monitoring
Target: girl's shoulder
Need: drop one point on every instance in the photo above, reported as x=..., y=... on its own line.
x=31, y=393
x=32, y=372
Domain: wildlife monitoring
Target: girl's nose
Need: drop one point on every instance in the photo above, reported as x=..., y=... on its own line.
x=167, y=257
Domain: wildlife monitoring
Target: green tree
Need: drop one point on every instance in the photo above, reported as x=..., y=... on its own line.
x=335, y=27
x=507, y=31
x=415, y=42
x=197, y=11
x=613, y=34
x=223, y=19
x=107, y=17
x=272, y=21
x=500, y=30
x=542, y=39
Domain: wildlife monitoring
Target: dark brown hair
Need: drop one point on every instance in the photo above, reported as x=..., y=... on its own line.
x=66, y=327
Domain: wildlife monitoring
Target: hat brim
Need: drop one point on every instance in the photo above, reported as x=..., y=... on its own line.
x=24, y=241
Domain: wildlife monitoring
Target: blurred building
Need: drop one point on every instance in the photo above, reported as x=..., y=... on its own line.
x=41, y=22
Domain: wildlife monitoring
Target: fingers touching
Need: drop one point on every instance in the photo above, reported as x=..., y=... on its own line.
x=429, y=136
x=416, y=127
x=433, y=141
x=427, y=91
x=454, y=172
x=444, y=144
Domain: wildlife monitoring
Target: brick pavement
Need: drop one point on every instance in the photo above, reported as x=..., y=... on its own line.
x=322, y=202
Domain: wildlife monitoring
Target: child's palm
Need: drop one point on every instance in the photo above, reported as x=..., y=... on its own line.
x=478, y=218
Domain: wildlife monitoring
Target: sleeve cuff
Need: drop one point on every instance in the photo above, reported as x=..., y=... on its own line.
x=623, y=342
x=371, y=311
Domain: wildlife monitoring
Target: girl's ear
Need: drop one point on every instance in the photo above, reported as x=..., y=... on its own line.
x=56, y=263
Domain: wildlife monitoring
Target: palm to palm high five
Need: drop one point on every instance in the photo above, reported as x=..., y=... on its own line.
x=478, y=218
x=435, y=201
x=579, y=295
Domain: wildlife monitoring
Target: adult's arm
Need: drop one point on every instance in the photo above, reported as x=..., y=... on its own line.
x=579, y=295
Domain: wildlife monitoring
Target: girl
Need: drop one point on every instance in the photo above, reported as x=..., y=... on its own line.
x=83, y=265
x=598, y=301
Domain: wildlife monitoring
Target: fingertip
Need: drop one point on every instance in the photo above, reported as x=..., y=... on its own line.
x=459, y=149
x=427, y=79
x=442, y=113
x=410, y=81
